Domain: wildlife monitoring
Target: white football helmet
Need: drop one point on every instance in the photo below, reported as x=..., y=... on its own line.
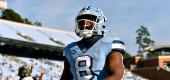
x=90, y=21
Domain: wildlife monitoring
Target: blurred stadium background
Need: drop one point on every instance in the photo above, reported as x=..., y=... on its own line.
x=24, y=44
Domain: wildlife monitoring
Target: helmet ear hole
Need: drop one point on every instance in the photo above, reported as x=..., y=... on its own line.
x=103, y=26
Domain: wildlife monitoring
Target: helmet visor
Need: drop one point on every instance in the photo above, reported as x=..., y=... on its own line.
x=87, y=16
x=85, y=24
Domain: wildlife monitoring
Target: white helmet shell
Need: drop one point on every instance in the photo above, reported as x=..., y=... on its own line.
x=100, y=23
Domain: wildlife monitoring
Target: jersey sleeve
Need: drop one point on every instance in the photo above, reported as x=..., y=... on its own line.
x=118, y=45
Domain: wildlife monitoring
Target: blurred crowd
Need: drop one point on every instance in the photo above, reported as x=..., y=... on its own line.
x=25, y=72
x=19, y=68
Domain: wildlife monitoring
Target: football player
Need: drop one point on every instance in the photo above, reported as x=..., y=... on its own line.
x=96, y=56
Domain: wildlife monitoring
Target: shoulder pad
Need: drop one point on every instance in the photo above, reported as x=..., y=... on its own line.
x=107, y=39
x=70, y=45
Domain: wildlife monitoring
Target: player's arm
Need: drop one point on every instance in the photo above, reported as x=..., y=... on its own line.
x=115, y=61
x=66, y=75
x=115, y=66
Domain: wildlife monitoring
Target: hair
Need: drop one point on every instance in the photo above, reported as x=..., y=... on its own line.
x=24, y=71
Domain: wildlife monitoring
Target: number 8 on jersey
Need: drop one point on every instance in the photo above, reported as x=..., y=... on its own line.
x=83, y=65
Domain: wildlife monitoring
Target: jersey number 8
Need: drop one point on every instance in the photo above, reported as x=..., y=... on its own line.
x=83, y=64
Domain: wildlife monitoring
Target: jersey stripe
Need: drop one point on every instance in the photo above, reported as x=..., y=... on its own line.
x=118, y=46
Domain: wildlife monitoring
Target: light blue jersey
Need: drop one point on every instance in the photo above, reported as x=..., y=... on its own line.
x=90, y=65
